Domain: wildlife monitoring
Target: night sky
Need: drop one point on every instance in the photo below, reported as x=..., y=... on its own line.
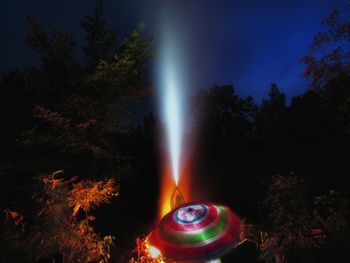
x=249, y=44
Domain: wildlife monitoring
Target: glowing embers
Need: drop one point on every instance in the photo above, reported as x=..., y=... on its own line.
x=147, y=253
x=196, y=231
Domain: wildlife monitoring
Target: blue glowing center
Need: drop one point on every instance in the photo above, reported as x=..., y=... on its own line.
x=191, y=214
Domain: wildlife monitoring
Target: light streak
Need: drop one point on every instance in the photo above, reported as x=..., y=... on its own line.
x=171, y=86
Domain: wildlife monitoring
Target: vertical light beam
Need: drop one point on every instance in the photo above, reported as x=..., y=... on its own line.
x=171, y=88
x=173, y=121
x=172, y=109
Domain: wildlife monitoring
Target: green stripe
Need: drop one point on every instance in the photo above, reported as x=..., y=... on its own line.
x=215, y=230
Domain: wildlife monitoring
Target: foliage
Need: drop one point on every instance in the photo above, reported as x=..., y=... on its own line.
x=220, y=107
x=224, y=129
x=329, y=57
x=290, y=220
x=249, y=231
x=332, y=212
x=272, y=126
x=69, y=114
x=63, y=220
x=100, y=40
x=79, y=109
x=328, y=66
x=298, y=232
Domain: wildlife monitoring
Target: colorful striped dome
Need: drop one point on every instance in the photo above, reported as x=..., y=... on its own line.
x=196, y=231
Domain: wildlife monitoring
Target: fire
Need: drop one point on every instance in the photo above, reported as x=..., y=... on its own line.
x=154, y=252
x=146, y=253
x=168, y=186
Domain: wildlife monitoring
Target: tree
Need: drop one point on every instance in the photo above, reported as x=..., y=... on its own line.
x=331, y=212
x=79, y=110
x=328, y=65
x=74, y=121
x=273, y=134
x=271, y=117
x=224, y=128
x=323, y=111
x=100, y=40
x=329, y=56
x=221, y=111
x=289, y=220
x=62, y=220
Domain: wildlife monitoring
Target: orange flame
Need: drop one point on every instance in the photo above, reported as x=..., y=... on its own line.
x=168, y=186
x=146, y=253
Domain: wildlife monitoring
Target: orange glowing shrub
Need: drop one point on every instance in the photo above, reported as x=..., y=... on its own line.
x=62, y=220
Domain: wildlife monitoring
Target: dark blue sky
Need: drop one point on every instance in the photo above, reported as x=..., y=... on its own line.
x=249, y=44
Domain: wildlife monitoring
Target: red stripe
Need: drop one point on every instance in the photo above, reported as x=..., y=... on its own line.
x=183, y=251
